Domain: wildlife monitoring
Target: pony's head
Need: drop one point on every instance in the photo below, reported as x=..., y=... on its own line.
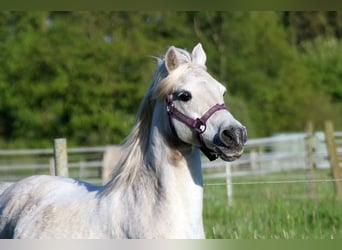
x=185, y=106
x=194, y=102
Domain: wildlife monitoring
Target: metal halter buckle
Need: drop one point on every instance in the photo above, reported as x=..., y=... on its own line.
x=199, y=126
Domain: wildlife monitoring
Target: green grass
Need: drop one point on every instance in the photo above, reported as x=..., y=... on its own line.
x=273, y=211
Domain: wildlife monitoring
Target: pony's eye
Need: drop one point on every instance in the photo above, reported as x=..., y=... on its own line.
x=184, y=96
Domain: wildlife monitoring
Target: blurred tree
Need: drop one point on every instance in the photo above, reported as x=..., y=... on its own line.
x=82, y=74
x=323, y=59
x=307, y=25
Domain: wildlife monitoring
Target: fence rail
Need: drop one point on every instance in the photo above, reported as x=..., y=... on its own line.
x=262, y=155
x=84, y=163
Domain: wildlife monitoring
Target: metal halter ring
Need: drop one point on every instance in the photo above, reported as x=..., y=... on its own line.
x=199, y=125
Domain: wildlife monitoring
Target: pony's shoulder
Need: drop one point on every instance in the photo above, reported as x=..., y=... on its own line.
x=26, y=204
x=47, y=186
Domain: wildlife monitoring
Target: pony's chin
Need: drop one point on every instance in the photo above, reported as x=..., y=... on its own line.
x=227, y=155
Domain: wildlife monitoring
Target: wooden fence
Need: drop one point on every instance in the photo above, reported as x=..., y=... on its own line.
x=83, y=163
x=280, y=152
x=297, y=151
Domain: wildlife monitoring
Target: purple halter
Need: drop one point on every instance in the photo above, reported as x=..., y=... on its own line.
x=198, y=125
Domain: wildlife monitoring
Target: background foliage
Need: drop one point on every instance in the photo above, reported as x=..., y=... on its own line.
x=81, y=75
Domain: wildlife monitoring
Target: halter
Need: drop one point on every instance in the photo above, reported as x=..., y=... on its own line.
x=198, y=125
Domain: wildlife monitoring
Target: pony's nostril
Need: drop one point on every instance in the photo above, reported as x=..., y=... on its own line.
x=234, y=136
x=228, y=136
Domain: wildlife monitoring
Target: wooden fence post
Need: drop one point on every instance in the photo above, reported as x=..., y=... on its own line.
x=229, y=183
x=61, y=157
x=253, y=160
x=309, y=146
x=52, y=166
x=333, y=158
x=110, y=159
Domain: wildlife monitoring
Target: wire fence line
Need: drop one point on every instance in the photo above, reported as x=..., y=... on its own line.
x=273, y=182
x=262, y=156
x=267, y=161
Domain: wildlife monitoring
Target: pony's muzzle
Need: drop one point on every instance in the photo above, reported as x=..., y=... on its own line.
x=234, y=137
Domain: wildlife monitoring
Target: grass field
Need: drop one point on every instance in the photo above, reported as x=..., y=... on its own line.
x=273, y=211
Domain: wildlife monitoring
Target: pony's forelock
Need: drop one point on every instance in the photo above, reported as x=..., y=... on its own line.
x=168, y=84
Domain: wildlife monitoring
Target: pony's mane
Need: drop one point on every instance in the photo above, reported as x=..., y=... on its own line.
x=135, y=146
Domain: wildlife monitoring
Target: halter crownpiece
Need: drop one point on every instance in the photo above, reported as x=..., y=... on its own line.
x=198, y=125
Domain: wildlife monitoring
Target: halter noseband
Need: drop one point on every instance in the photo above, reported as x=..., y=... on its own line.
x=198, y=125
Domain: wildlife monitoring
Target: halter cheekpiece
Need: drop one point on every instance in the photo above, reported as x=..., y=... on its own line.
x=198, y=125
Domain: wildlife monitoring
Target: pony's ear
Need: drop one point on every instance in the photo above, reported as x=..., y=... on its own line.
x=174, y=58
x=198, y=55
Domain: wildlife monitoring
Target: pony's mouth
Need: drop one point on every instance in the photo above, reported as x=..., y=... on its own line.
x=227, y=154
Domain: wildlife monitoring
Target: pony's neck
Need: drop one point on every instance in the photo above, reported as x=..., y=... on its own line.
x=164, y=184
x=177, y=168
x=168, y=154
